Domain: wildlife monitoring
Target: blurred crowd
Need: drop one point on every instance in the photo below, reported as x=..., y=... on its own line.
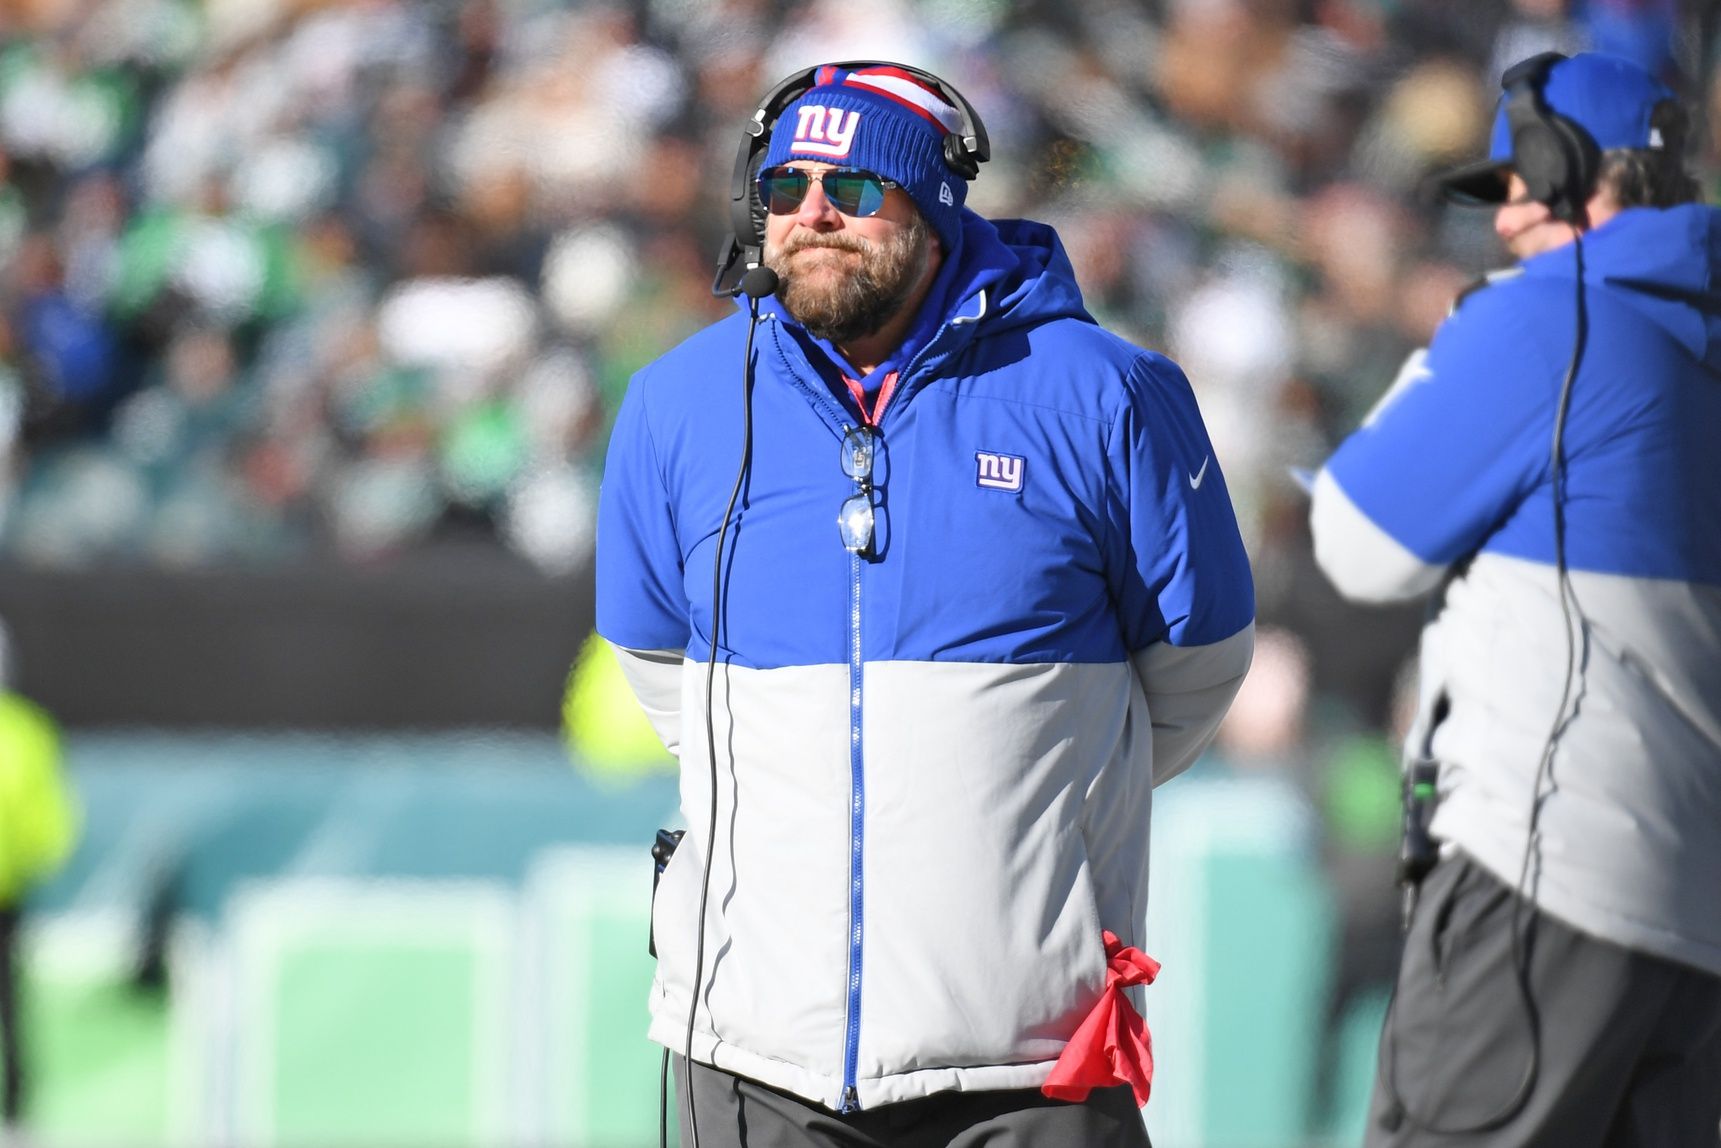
x=282, y=277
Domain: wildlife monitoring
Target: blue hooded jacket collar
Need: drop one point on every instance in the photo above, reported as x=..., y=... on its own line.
x=1007, y=274
x=1663, y=262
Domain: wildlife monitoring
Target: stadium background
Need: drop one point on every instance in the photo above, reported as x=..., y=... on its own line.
x=313, y=315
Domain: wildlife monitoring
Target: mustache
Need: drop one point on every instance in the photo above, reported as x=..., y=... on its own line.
x=815, y=242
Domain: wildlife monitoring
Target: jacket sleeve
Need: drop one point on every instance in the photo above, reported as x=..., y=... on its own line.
x=1460, y=439
x=641, y=603
x=1178, y=570
x=1189, y=689
x=655, y=678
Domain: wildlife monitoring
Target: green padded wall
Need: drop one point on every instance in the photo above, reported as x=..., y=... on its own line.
x=604, y=1073
x=372, y=1014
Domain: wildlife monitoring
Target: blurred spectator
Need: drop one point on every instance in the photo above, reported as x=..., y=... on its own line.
x=605, y=729
x=70, y=352
x=37, y=829
x=1266, y=732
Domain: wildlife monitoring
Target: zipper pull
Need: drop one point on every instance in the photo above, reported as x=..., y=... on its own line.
x=851, y=1101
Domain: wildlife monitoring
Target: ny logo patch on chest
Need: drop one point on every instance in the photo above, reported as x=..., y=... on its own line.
x=998, y=471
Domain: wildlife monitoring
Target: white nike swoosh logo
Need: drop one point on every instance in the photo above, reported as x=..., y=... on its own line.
x=1195, y=479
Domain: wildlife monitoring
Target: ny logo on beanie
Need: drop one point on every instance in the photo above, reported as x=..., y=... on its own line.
x=824, y=131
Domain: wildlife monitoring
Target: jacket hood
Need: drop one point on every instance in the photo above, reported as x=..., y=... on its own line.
x=1023, y=269
x=1663, y=262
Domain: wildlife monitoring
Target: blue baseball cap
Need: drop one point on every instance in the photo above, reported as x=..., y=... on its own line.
x=1609, y=97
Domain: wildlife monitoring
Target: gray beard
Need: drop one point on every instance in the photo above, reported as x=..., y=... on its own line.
x=858, y=303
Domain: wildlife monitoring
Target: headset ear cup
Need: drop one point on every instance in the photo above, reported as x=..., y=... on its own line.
x=1583, y=166
x=744, y=196
x=756, y=209
x=1559, y=164
x=957, y=157
x=1539, y=158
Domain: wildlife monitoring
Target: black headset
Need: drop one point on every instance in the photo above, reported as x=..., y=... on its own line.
x=1555, y=157
x=964, y=150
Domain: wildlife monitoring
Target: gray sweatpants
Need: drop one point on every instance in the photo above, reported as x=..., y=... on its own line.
x=1629, y=1045
x=738, y=1113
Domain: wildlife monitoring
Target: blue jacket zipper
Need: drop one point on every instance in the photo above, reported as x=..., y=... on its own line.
x=857, y=809
x=850, y=1100
x=838, y=418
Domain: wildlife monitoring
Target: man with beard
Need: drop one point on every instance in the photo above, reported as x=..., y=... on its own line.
x=918, y=750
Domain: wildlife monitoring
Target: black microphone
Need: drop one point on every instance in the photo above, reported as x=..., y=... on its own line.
x=759, y=282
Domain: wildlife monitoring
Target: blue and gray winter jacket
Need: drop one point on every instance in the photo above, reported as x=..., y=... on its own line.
x=1448, y=484
x=934, y=763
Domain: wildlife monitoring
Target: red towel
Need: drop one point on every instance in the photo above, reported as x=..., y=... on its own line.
x=1113, y=1045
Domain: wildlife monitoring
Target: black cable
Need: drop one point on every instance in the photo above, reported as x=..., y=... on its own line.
x=663, y=1101
x=710, y=721
x=1568, y=607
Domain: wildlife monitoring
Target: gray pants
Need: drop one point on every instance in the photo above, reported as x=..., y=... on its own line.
x=738, y=1113
x=1629, y=1046
x=11, y=1040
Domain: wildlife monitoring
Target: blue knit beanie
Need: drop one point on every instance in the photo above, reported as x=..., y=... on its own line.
x=885, y=121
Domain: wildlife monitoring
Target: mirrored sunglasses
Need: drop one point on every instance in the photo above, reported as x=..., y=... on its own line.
x=855, y=518
x=851, y=190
